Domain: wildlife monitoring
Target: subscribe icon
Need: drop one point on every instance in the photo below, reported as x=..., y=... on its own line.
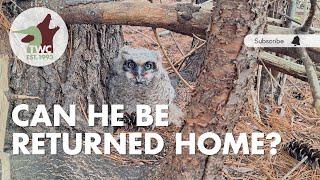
x=281, y=40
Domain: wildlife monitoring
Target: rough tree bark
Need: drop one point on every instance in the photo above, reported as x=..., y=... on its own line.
x=183, y=18
x=224, y=79
x=192, y=69
x=79, y=76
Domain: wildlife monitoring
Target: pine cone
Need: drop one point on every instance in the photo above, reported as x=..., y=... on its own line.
x=299, y=150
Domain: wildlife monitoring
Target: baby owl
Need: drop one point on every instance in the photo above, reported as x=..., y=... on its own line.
x=138, y=77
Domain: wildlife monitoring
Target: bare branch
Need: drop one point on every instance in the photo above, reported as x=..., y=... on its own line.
x=285, y=66
x=295, y=168
x=314, y=53
x=177, y=44
x=290, y=18
x=5, y=162
x=312, y=77
x=184, y=18
x=307, y=24
x=144, y=35
x=309, y=66
x=21, y=97
x=170, y=62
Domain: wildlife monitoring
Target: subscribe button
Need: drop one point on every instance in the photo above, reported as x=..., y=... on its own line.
x=290, y=40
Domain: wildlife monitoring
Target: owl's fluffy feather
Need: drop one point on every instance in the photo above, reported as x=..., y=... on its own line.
x=158, y=91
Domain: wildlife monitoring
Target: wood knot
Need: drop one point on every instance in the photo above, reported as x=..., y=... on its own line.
x=185, y=11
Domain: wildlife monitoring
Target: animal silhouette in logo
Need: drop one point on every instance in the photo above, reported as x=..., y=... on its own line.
x=40, y=37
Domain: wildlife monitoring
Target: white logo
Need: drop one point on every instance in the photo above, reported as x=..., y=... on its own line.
x=38, y=36
x=282, y=40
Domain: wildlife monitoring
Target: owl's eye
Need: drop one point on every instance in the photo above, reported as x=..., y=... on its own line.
x=149, y=65
x=131, y=64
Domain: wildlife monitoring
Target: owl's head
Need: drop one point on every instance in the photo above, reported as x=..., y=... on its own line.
x=140, y=66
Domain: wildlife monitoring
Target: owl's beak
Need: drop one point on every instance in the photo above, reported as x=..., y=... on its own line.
x=139, y=80
x=139, y=76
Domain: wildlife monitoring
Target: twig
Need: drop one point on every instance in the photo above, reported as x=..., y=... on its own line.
x=70, y=45
x=307, y=24
x=21, y=97
x=130, y=160
x=143, y=35
x=5, y=161
x=295, y=168
x=270, y=74
x=169, y=61
x=295, y=86
x=177, y=44
x=16, y=5
x=290, y=19
x=82, y=2
x=4, y=106
x=181, y=60
x=291, y=12
x=312, y=77
x=282, y=90
x=259, y=83
x=197, y=37
x=309, y=66
x=302, y=115
x=83, y=111
x=255, y=104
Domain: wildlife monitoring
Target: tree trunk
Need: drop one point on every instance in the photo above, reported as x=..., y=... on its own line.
x=224, y=76
x=222, y=85
x=4, y=104
x=79, y=77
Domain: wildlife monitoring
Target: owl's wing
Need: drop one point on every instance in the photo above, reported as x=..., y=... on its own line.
x=176, y=116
